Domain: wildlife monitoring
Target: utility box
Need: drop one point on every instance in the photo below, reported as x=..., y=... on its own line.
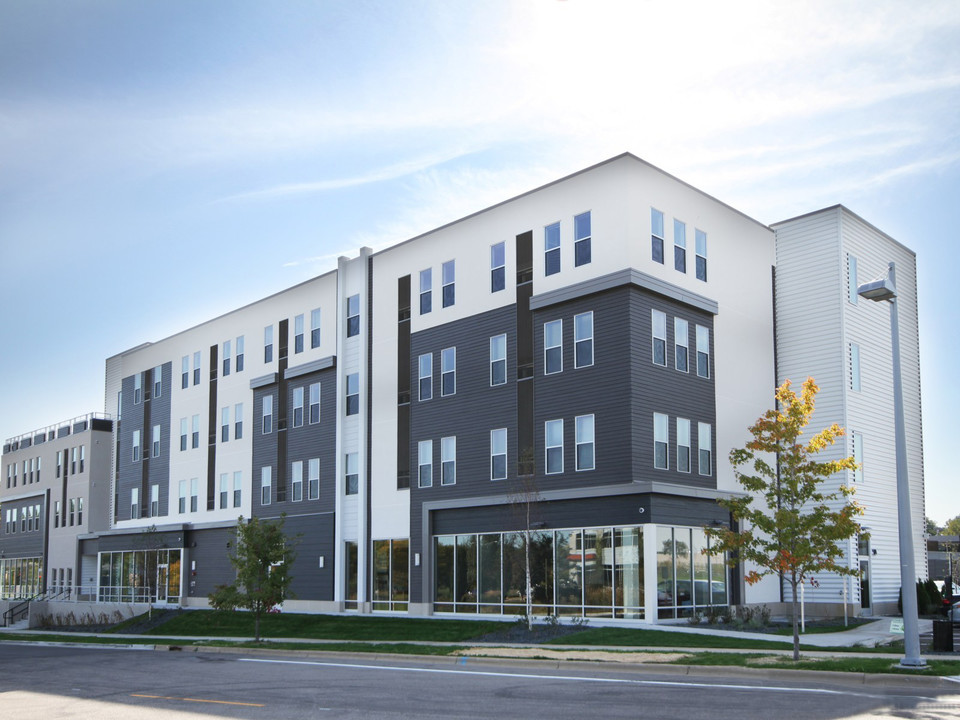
x=942, y=636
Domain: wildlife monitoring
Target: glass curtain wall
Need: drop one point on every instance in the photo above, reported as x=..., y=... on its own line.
x=688, y=580
x=20, y=578
x=140, y=576
x=391, y=574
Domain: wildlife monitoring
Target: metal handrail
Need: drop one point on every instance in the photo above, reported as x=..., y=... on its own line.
x=21, y=608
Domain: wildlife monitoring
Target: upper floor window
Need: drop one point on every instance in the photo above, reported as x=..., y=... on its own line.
x=659, y=320
x=552, y=347
x=705, y=446
x=679, y=246
x=585, y=442
x=156, y=441
x=298, y=334
x=701, y=255
x=296, y=481
x=137, y=388
x=298, y=407
x=426, y=376
x=238, y=421
x=683, y=445
x=448, y=273
x=498, y=270
x=315, y=328
x=268, y=344
x=182, y=506
x=237, y=488
x=656, y=235
x=852, y=286
x=183, y=434
x=448, y=460
x=351, y=473
x=266, y=485
x=681, y=340
x=498, y=454
x=196, y=368
x=353, y=393
x=425, y=463
x=660, y=441
x=226, y=358
x=185, y=372
x=225, y=424
x=267, y=414
x=703, y=351
x=313, y=479
x=448, y=371
x=553, y=445
x=583, y=340
x=581, y=239
x=136, y=446
x=855, y=367
x=154, y=500
x=353, y=315
x=240, y=353
x=551, y=249
x=314, y=403
x=426, y=291
x=195, y=431
x=224, y=490
x=498, y=360
x=134, y=505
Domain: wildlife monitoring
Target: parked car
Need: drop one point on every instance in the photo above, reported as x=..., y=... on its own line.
x=954, y=613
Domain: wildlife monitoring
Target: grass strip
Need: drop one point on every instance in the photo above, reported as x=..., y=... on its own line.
x=854, y=664
x=632, y=637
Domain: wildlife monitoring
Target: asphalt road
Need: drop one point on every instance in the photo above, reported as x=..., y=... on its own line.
x=78, y=682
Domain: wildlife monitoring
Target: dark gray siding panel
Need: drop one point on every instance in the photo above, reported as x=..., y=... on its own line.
x=312, y=537
x=208, y=549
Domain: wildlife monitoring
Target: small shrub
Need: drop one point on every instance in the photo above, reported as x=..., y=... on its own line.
x=695, y=618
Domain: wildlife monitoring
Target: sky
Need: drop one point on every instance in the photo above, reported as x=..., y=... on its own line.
x=162, y=163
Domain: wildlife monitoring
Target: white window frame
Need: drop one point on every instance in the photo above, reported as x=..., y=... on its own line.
x=448, y=371
x=182, y=503
x=315, y=317
x=448, y=279
x=498, y=264
x=351, y=474
x=134, y=505
x=585, y=434
x=656, y=238
x=238, y=421
x=225, y=424
x=555, y=344
x=155, y=441
x=296, y=481
x=224, y=490
x=239, y=351
x=498, y=449
x=195, y=432
x=314, y=403
x=425, y=463
x=448, y=460
x=658, y=332
x=582, y=337
x=555, y=444
x=197, y=361
x=268, y=344
x=582, y=239
x=266, y=485
x=266, y=415
x=679, y=246
x=353, y=315
x=298, y=406
x=237, y=488
x=313, y=479
x=683, y=443
x=703, y=351
x=425, y=377
x=136, y=446
x=701, y=255
x=154, y=500
x=551, y=248
x=353, y=379
x=681, y=344
x=226, y=358
x=426, y=291
x=184, y=372
x=705, y=448
x=194, y=495
x=298, y=334
x=661, y=437
x=137, y=388
x=496, y=358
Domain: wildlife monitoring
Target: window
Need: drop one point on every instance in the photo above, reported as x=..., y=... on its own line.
x=705, y=446
x=353, y=393
x=240, y=353
x=426, y=292
x=154, y=500
x=552, y=347
x=184, y=372
x=852, y=287
x=73, y=464
x=83, y=459
x=226, y=358
x=856, y=443
x=551, y=249
x=224, y=490
x=237, y=488
x=194, y=497
x=656, y=235
x=196, y=368
x=448, y=372
x=315, y=328
x=498, y=360
x=195, y=432
x=448, y=272
x=679, y=246
x=313, y=478
x=298, y=333
x=701, y=255
x=498, y=270
x=59, y=466
x=681, y=340
x=659, y=338
x=585, y=442
x=137, y=388
x=581, y=239
x=238, y=421
x=225, y=424
x=855, y=367
x=296, y=481
x=314, y=410
x=498, y=454
x=182, y=505
x=56, y=514
x=351, y=480
x=425, y=365
x=134, y=505
x=448, y=460
x=703, y=351
x=183, y=434
x=136, y=446
x=353, y=315
x=553, y=444
x=583, y=340
x=79, y=511
x=268, y=344
x=157, y=381
x=683, y=445
x=660, y=460
x=298, y=407
x=266, y=482
x=267, y=415
x=425, y=463
x=156, y=441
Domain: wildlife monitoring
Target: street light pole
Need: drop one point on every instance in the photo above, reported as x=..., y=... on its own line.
x=878, y=291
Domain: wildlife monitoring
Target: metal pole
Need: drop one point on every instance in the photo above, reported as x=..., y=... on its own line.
x=908, y=574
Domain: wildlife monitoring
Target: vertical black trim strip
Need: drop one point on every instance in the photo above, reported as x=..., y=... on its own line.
x=281, y=478
x=368, y=509
x=525, y=387
x=212, y=430
x=403, y=382
x=146, y=446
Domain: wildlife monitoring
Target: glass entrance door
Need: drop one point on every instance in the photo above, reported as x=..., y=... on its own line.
x=865, y=586
x=163, y=572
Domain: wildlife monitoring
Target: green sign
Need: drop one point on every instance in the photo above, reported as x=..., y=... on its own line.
x=896, y=626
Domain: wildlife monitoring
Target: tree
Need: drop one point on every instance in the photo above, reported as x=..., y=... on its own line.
x=524, y=502
x=931, y=527
x=262, y=558
x=795, y=527
x=952, y=527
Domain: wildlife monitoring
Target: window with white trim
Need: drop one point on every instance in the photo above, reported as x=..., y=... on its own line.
x=225, y=424
x=659, y=324
x=266, y=485
x=268, y=344
x=157, y=381
x=583, y=340
x=182, y=504
x=581, y=239
x=226, y=358
x=585, y=447
x=498, y=360
x=351, y=478
x=196, y=368
x=448, y=460
x=552, y=347
x=448, y=372
x=681, y=341
x=703, y=351
x=314, y=399
x=134, y=505
x=553, y=446
x=136, y=446
x=237, y=488
x=224, y=490
x=296, y=481
x=195, y=432
x=267, y=415
x=701, y=255
x=660, y=442
x=426, y=291
x=298, y=407
x=156, y=441
x=154, y=500
x=353, y=394
x=498, y=454
x=683, y=445
x=314, y=328
x=679, y=246
x=705, y=446
x=353, y=315
x=448, y=279
x=184, y=372
x=240, y=353
x=498, y=269
x=238, y=421
x=194, y=494
x=137, y=388
x=551, y=249
x=656, y=235
x=425, y=376
x=313, y=478
x=425, y=463
x=298, y=333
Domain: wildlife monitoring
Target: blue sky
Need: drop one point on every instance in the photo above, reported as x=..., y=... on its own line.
x=164, y=162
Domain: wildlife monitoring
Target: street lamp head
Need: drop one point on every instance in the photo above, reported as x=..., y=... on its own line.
x=878, y=290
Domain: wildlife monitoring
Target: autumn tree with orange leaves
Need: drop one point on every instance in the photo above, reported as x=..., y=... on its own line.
x=790, y=526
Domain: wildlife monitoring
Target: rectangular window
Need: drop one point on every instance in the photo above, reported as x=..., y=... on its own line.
x=681, y=342
x=298, y=407
x=659, y=320
x=553, y=445
x=196, y=368
x=184, y=372
x=701, y=255
x=224, y=490
x=195, y=432
x=154, y=500
x=225, y=424
x=314, y=410
x=679, y=246
x=498, y=270
x=182, y=506
x=137, y=388
x=856, y=443
x=296, y=481
x=156, y=441
x=59, y=466
x=73, y=464
x=268, y=344
x=448, y=372
x=498, y=360
x=313, y=478
x=56, y=514
x=315, y=328
x=683, y=445
x=656, y=235
x=351, y=480
x=551, y=249
x=267, y=415
x=703, y=351
x=852, y=286
x=583, y=340
x=353, y=315
x=425, y=463
x=448, y=460
x=194, y=497
x=266, y=483
x=581, y=239
x=705, y=446
x=426, y=291
x=226, y=358
x=448, y=272
x=83, y=459
x=855, y=367
x=79, y=511
x=552, y=347
x=136, y=446
x=660, y=441
x=183, y=434
x=585, y=442
x=498, y=454
x=353, y=393
x=240, y=353
x=425, y=375
x=237, y=488
x=134, y=505
x=238, y=421
x=298, y=333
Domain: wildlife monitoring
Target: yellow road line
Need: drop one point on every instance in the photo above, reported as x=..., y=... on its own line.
x=217, y=702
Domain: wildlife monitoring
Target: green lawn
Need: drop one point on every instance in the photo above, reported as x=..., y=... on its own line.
x=631, y=637
x=853, y=664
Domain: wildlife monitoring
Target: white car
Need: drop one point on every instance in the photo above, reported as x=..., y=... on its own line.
x=954, y=613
